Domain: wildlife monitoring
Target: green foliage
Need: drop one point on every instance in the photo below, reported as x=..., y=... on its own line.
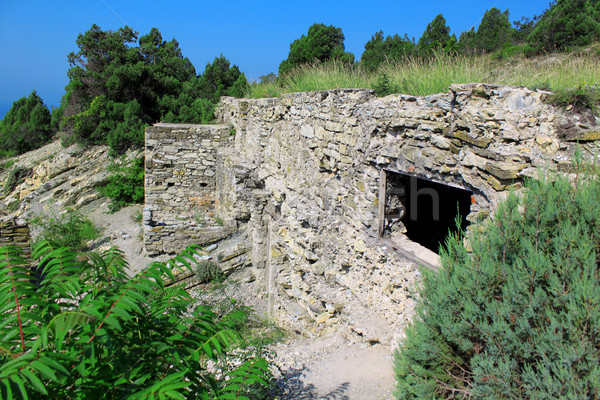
x=436, y=37
x=25, y=127
x=71, y=229
x=15, y=177
x=7, y=164
x=268, y=78
x=117, y=87
x=208, y=271
x=467, y=42
x=494, y=31
x=519, y=317
x=392, y=48
x=524, y=27
x=321, y=44
x=222, y=79
x=384, y=86
x=125, y=184
x=84, y=330
x=566, y=23
x=583, y=97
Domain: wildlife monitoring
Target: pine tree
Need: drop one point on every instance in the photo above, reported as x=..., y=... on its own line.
x=566, y=23
x=494, y=31
x=436, y=36
x=26, y=126
x=321, y=44
x=379, y=50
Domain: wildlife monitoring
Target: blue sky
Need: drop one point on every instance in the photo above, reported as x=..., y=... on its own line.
x=37, y=35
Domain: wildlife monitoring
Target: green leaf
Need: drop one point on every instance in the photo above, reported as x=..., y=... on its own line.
x=19, y=382
x=34, y=380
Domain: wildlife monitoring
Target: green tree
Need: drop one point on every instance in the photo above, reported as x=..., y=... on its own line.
x=519, y=317
x=436, y=37
x=117, y=87
x=26, y=126
x=494, y=31
x=221, y=79
x=524, y=27
x=379, y=50
x=566, y=23
x=467, y=42
x=321, y=44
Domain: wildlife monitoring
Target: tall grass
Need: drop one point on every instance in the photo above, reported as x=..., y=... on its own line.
x=420, y=77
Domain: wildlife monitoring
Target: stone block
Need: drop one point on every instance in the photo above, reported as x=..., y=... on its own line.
x=504, y=170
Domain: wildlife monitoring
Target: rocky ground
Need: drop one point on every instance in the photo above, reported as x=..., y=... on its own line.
x=324, y=364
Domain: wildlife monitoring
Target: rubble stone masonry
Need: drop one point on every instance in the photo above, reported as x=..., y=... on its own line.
x=304, y=179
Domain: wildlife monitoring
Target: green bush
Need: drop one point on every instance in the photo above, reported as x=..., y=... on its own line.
x=72, y=229
x=436, y=38
x=379, y=50
x=7, y=164
x=519, y=317
x=125, y=185
x=85, y=330
x=15, y=177
x=384, y=86
x=208, y=271
x=583, y=97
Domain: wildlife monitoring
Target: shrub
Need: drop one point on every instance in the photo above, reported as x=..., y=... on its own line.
x=15, y=177
x=7, y=164
x=71, y=229
x=583, y=97
x=125, y=185
x=26, y=126
x=379, y=50
x=384, y=86
x=86, y=330
x=520, y=316
x=208, y=271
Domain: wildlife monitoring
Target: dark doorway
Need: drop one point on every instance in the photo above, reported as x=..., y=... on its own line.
x=423, y=210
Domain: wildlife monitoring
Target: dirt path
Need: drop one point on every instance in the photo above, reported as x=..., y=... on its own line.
x=328, y=368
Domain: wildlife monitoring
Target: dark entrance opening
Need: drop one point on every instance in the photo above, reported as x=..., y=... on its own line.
x=425, y=211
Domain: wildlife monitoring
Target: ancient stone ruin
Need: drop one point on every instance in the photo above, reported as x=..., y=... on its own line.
x=329, y=201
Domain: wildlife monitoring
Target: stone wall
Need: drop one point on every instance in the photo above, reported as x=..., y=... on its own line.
x=308, y=177
x=15, y=233
x=180, y=186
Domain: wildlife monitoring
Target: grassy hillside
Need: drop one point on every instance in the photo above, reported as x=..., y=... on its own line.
x=422, y=77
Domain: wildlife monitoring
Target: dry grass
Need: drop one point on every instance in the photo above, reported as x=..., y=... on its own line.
x=424, y=77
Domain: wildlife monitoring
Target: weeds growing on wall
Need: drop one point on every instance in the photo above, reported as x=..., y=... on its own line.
x=208, y=271
x=83, y=329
